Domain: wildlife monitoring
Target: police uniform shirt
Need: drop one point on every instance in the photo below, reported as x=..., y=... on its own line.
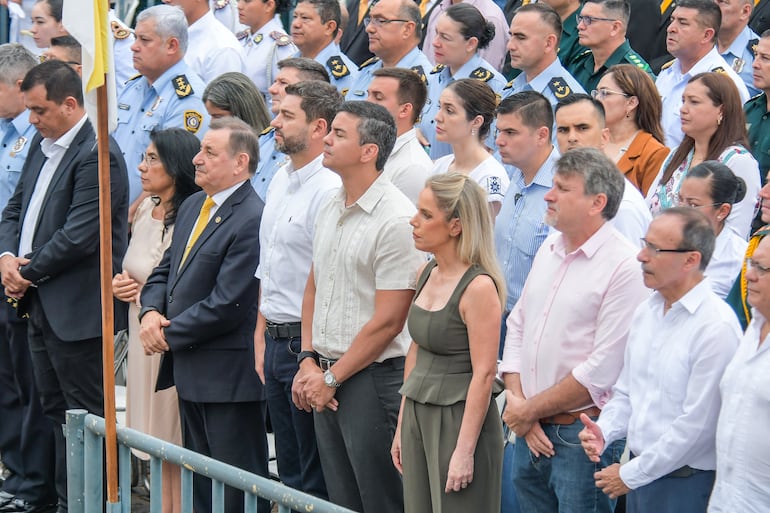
x=123, y=38
x=342, y=70
x=414, y=60
x=173, y=100
x=569, y=48
x=15, y=137
x=758, y=124
x=270, y=161
x=212, y=49
x=263, y=50
x=439, y=78
x=671, y=83
x=740, y=57
x=583, y=68
x=554, y=82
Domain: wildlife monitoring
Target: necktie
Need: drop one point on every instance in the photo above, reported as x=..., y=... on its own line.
x=200, y=224
x=363, y=5
x=424, y=7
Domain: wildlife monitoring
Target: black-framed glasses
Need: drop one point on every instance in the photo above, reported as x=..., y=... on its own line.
x=759, y=268
x=652, y=248
x=600, y=94
x=379, y=22
x=590, y=19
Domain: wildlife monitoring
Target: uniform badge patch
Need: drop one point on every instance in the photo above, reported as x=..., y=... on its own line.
x=182, y=86
x=493, y=185
x=438, y=68
x=420, y=72
x=192, y=121
x=18, y=145
x=337, y=67
x=119, y=31
x=559, y=88
x=221, y=4
x=258, y=39
x=482, y=73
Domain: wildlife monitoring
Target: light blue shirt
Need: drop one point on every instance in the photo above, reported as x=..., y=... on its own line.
x=270, y=161
x=549, y=83
x=342, y=71
x=167, y=103
x=438, y=79
x=740, y=56
x=519, y=227
x=15, y=139
x=414, y=60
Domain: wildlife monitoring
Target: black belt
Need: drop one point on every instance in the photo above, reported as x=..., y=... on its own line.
x=285, y=330
x=326, y=363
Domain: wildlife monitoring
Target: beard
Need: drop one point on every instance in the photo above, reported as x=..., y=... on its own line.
x=291, y=145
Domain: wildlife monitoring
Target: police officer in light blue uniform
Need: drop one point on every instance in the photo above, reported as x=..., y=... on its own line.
x=270, y=162
x=554, y=82
x=414, y=60
x=342, y=71
x=15, y=137
x=123, y=39
x=740, y=56
x=167, y=95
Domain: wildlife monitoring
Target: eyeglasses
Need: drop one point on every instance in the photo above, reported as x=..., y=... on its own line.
x=652, y=248
x=379, y=22
x=760, y=269
x=150, y=160
x=600, y=94
x=590, y=19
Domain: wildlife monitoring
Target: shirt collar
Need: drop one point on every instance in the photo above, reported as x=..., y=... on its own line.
x=307, y=171
x=63, y=142
x=690, y=301
x=741, y=42
x=589, y=247
x=221, y=196
x=404, y=139
x=540, y=82
x=180, y=68
x=21, y=122
x=368, y=199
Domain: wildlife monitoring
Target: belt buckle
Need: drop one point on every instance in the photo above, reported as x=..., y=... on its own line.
x=325, y=363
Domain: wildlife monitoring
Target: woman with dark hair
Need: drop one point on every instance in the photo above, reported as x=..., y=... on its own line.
x=632, y=108
x=168, y=175
x=713, y=188
x=46, y=22
x=461, y=31
x=714, y=128
x=234, y=94
x=467, y=109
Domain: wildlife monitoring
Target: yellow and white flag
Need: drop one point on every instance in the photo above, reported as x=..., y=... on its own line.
x=88, y=22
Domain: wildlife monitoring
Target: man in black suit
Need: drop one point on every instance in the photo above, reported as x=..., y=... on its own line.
x=355, y=40
x=49, y=248
x=199, y=308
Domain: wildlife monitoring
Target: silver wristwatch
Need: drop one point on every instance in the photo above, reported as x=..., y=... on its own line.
x=330, y=380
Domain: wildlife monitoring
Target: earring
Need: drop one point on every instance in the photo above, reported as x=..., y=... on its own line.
x=719, y=119
x=628, y=115
x=473, y=131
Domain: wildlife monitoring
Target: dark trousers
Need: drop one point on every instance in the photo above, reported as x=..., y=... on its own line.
x=26, y=435
x=354, y=442
x=299, y=465
x=68, y=375
x=673, y=494
x=233, y=433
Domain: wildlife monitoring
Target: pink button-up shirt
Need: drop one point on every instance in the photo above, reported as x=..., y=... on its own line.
x=574, y=314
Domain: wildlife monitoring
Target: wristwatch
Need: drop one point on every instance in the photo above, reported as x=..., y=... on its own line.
x=330, y=380
x=307, y=354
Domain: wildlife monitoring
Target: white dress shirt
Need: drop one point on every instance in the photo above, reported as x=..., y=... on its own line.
x=409, y=165
x=666, y=400
x=54, y=151
x=212, y=49
x=633, y=215
x=743, y=453
x=726, y=262
x=286, y=236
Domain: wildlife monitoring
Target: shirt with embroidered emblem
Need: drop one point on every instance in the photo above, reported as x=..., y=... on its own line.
x=489, y=174
x=740, y=57
x=15, y=138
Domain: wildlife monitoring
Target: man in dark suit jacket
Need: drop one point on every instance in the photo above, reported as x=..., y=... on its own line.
x=49, y=247
x=355, y=40
x=199, y=308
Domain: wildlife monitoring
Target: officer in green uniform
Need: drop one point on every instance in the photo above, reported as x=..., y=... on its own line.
x=583, y=69
x=569, y=47
x=756, y=109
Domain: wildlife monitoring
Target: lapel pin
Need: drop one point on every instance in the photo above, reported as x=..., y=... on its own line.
x=217, y=219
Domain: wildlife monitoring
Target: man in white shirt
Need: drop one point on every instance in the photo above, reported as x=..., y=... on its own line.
x=353, y=314
x=213, y=49
x=295, y=195
x=580, y=123
x=666, y=399
x=691, y=38
x=403, y=94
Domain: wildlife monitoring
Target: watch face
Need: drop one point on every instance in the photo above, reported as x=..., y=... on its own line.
x=328, y=378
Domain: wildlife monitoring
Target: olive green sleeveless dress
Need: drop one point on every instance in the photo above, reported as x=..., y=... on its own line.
x=435, y=392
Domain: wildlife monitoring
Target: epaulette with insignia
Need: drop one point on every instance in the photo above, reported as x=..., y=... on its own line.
x=221, y=4
x=438, y=68
x=667, y=65
x=482, y=73
x=752, y=45
x=243, y=34
x=119, y=31
x=281, y=38
x=369, y=62
x=267, y=130
x=192, y=120
x=508, y=85
x=420, y=73
x=637, y=61
x=337, y=67
x=718, y=69
x=182, y=86
x=559, y=88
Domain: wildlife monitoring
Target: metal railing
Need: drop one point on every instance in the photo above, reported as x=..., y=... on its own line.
x=85, y=440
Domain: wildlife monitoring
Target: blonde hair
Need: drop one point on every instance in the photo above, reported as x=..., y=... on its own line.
x=459, y=196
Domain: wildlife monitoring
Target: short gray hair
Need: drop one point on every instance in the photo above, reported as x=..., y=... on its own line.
x=15, y=62
x=169, y=21
x=376, y=126
x=697, y=233
x=600, y=176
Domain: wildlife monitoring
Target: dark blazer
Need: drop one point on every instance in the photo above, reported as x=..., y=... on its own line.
x=65, y=247
x=211, y=301
x=355, y=40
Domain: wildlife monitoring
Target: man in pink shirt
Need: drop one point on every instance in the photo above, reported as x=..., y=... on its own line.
x=566, y=337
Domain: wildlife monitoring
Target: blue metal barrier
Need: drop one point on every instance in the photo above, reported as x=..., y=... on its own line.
x=85, y=435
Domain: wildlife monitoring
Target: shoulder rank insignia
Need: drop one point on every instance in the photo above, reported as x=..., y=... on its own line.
x=667, y=65
x=438, y=68
x=337, y=67
x=482, y=73
x=420, y=72
x=508, y=85
x=119, y=31
x=718, y=69
x=138, y=75
x=243, y=34
x=192, y=121
x=369, y=62
x=637, y=61
x=559, y=88
x=182, y=87
x=267, y=130
x=221, y=4
x=582, y=55
x=752, y=46
x=281, y=38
